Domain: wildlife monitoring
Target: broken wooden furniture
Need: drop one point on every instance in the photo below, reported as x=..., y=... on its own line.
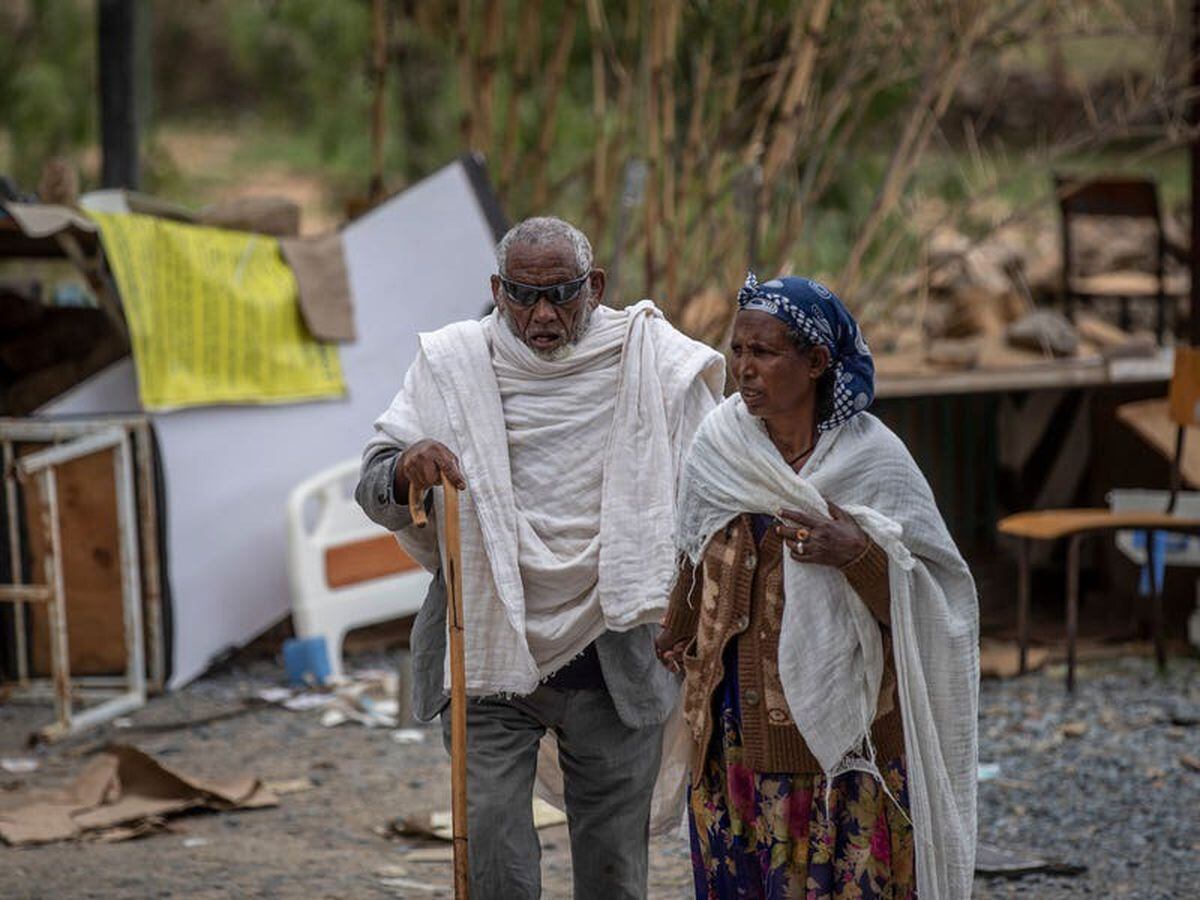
x=1114, y=197
x=51, y=465
x=345, y=571
x=50, y=338
x=1151, y=420
x=1075, y=524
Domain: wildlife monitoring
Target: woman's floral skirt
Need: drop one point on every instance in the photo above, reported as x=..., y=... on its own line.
x=763, y=835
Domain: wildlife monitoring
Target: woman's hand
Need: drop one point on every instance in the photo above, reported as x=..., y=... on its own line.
x=669, y=650
x=827, y=542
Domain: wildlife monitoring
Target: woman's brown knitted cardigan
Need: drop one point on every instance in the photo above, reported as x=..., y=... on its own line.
x=739, y=596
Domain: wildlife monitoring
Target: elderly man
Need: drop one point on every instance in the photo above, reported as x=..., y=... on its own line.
x=564, y=422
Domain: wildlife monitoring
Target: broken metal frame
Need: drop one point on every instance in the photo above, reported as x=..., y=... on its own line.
x=72, y=440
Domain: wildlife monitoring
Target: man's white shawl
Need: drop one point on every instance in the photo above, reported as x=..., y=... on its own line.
x=451, y=394
x=830, y=652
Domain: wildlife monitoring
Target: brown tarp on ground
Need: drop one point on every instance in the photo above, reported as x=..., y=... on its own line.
x=325, y=302
x=121, y=787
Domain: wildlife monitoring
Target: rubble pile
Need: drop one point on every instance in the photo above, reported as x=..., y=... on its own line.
x=996, y=303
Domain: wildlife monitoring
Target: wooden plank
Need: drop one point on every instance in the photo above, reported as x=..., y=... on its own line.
x=1050, y=524
x=1062, y=374
x=376, y=557
x=91, y=567
x=1128, y=283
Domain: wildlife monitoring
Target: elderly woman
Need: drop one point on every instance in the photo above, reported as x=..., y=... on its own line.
x=826, y=626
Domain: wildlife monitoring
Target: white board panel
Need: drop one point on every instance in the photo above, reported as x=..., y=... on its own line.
x=416, y=263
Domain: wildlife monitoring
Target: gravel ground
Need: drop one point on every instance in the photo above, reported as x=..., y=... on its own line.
x=1116, y=798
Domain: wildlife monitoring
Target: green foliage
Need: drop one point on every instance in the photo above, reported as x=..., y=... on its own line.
x=311, y=54
x=290, y=79
x=47, y=82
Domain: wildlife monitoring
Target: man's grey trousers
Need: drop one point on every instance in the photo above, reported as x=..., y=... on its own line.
x=609, y=771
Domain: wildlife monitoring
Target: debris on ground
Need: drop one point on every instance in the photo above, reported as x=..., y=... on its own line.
x=440, y=854
x=287, y=786
x=1044, y=331
x=1053, y=795
x=963, y=306
x=987, y=771
x=19, y=765
x=369, y=698
x=405, y=885
x=248, y=704
x=391, y=872
x=1002, y=659
x=438, y=824
x=122, y=794
x=997, y=861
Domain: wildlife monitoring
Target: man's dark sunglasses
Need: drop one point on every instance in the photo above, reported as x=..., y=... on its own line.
x=559, y=294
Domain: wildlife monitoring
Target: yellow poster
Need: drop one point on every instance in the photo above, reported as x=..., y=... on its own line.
x=213, y=316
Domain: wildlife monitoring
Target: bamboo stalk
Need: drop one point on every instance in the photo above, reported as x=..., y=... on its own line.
x=379, y=88
x=555, y=76
x=695, y=129
x=599, y=194
x=486, y=67
x=686, y=185
x=787, y=130
x=654, y=65
x=940, y=82
x=827, y=135
x=622, y=149
x=670, y=32
x=528, y=45
x=755, y=145
x=466, y=74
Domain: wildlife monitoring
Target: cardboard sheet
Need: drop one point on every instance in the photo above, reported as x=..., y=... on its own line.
x=122, y=787
x=439, y=824
x=320, y=267
x=42, y=220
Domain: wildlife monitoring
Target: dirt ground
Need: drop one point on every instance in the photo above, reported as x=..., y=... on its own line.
x=324, y=842
x=320, y=843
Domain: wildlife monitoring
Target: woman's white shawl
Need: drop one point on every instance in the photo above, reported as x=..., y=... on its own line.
x=830, y=652
x=451, y=395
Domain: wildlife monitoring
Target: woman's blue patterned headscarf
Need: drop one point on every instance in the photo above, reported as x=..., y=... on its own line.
x=815, y=312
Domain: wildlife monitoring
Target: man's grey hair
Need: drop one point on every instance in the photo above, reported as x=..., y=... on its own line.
x=542, y=229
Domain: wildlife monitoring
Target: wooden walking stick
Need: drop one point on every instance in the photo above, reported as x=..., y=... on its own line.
x=458, y=676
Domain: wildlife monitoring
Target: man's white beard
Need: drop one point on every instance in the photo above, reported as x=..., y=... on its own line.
x=562, y=351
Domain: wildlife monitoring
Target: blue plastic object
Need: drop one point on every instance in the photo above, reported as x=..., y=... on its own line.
x=1164, y=543
x=306, y=660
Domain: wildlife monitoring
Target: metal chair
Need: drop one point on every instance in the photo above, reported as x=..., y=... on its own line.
x=1133, y=198
x=1075, y=524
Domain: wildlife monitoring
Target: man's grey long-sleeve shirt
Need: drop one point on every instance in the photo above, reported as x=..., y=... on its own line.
x=642, y=691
